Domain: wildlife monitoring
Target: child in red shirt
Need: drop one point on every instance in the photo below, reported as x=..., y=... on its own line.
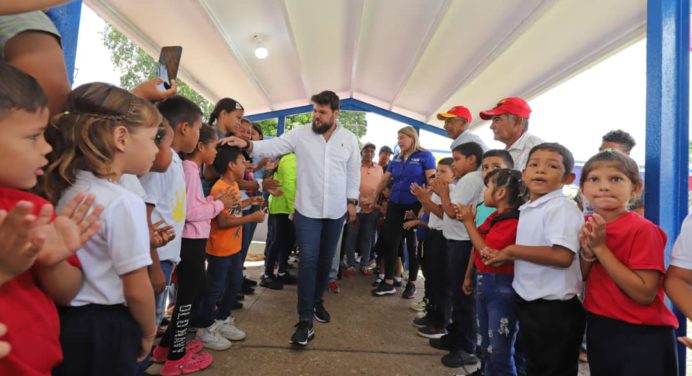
x=495, y=299
x=629, y=328
x=37, y=263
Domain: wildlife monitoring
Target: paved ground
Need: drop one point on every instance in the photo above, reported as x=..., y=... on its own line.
x=367, y=336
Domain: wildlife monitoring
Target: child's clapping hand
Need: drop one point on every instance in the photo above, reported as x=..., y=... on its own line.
x=421, y=192
x=4, y=345
x=160, y=234
x=593, y=234
x=440, y=187
x=494, y=257
x=466, y=213
x=20, y=240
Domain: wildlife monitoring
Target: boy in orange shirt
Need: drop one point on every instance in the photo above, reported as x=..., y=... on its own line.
x=224, y=259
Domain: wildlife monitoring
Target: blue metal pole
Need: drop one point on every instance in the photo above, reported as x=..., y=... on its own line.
x=281, y=126
x=667, y=127
x=66, y=18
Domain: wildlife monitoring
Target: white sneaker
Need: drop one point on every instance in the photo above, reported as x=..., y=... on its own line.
x=228, y=329
x=418, y=306
x=211, y=338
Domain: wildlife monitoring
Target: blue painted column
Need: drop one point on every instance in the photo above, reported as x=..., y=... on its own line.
x=667, y=126
x=281, y=125
x=66, y=18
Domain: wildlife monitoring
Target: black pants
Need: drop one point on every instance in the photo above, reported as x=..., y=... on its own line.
x=462, y=329
x=392, y=234
x=98, y=340
x=409, y=237
x=191, y=284
x=283, y=238
x=435, y=259
x=617, y=348
x=550, y=333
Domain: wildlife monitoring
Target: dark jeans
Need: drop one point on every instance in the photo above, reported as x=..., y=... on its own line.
x=409, y=239
x=283, y=238
x=317, y=239
x=617, y=348
x=361, y=233
x=248, y=231
x=224, y=279
x=191, y=280
x=462, y=328
x=435, y=264
x=392, y=234
x=550, y=335
x=496, y=308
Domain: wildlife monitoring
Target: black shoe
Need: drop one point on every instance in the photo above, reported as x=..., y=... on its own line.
x=304, y=333
x=421, y=322
x=397, y=283
x=236, y=305
x=287, y=279
x=240, y=297
x=249, y=282
x=441, y=343
x=248, y=290
x=384, y=289
x=459, y=358
x=320, y=313
x=266, y=280
x=409, y=291
x=430, y=331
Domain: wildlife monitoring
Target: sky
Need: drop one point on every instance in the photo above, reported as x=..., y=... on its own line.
x=610, y=95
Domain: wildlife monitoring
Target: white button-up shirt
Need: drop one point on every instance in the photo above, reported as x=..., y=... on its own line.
x=465, y=137
x=552, y=219
x=327, y=172
x=521, y=148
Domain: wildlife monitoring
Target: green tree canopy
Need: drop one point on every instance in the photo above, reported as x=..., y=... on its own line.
x=351, y=120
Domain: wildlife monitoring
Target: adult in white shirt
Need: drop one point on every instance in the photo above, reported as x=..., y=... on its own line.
x=457, y=121
x=510, y=125
x=327, y=187
x=678, y=281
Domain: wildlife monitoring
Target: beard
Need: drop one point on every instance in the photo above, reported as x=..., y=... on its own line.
x=322, y=129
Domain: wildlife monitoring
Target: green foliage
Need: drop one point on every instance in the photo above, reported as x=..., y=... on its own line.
x=353, y=121
x=135, y=67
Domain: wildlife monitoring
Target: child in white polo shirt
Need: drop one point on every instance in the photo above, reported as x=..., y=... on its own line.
x=547, y=277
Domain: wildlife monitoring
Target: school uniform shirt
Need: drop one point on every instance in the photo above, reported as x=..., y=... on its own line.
x=33, y=327
x=681, y=255
x=328, y=171
x=224, y=241
x=521, y=148
x=468, y=190
x=120, y=246
x=200, y=210
x=435, y=222
x=166, y=191
x=552, y=219
x=502, y=234
x=466, y=137
x=639, y=245
x=132, y=184
x=409, y=171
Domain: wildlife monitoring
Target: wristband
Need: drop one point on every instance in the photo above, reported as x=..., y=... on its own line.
x=587, y=259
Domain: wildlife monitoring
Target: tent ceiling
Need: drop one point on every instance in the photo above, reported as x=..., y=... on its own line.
x=414, y=57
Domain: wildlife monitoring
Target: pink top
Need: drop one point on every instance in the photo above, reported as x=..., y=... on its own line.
x=370, y=176
x=200, y=209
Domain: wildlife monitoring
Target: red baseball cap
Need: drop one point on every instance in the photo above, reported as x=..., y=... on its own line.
x=513, y=105
x=456, y=111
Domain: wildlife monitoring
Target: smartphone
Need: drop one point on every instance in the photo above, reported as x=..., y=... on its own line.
x=169, y=62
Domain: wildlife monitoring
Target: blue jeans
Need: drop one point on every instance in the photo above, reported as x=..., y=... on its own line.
x=283, y=238
x=496, y=309
x=336, y=259
x=317, y=239
x=160, y=298
x=248, y=231
x=361, y=233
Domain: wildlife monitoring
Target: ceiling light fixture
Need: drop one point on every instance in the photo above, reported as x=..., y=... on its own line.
x=261, y=52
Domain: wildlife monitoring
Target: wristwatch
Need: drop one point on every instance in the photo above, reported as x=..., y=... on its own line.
x=352, y=201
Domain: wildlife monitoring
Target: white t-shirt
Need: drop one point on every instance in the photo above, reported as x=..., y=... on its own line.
x=132, y=184
x=553, y=219
x=681, y=255
x=468, y=190
x=435, y=222
x=166, y=190
x=120, y=246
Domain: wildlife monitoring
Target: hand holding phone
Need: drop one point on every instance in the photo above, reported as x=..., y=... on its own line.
x=169, y=62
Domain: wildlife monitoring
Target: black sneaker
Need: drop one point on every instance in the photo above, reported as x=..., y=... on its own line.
x=236, y=305
x=459, y=358
x=421, y=322
x=384, y=289
x=430, y=331
x=441, y=343
x=304, y=333
x=249, y=282
x=320, y=313
x=397, y=283
x=409, y=291
x=248, y=290
x=239, y=297
x=287, y=279
x=265, y=280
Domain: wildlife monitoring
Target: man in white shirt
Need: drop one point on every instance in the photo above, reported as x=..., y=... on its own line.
x=457, y=121
x=510, y=125
x=327, y=187
x=678, y=281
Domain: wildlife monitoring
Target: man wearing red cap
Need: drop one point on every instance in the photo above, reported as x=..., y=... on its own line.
x=457, y=121
x=510, y=124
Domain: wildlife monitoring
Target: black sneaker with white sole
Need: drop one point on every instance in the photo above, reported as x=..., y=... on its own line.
x=304, y=333
x=384, y=289
x=459, y=358
x=320, y=313
x=421, y=322
x=430, y=331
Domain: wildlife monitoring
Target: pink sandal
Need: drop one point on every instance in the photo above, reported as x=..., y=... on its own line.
x=190, y=363
x=160, y=353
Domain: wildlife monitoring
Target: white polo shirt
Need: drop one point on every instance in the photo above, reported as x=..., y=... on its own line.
x=327, y=172
x=553, y=219
x=681, y=255
x=435, y=222
x=521, y=148
x=120, y=246
x=468, y=190
x=466, y=137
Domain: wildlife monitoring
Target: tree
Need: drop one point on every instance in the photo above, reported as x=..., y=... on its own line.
x=351, y=120
x=136, y=66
